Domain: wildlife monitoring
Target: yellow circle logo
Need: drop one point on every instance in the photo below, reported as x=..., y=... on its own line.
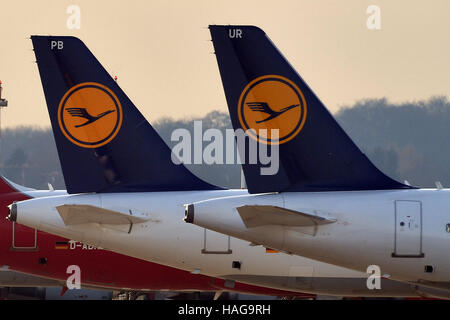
x=90, y=115
x=272, y=102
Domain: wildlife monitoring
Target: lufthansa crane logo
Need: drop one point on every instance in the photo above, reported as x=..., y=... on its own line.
x=90, y=115
x=272, y=102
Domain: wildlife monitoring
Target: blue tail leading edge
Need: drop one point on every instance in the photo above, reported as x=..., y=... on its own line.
x=104, y=143
x=264, y=93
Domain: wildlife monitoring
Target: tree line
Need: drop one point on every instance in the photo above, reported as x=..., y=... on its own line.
x=408, y=141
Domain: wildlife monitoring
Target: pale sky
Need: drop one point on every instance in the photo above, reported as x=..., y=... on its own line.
x=161, y=53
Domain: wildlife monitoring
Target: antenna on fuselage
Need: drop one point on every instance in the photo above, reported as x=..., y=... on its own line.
x=438, y=185
x=243, y=183
x=3, y=104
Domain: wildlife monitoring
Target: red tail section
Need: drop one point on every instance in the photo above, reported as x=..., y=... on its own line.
x=6, y=187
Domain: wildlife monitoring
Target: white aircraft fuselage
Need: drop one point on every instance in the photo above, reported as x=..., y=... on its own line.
x=406, y=233
x=166, y=239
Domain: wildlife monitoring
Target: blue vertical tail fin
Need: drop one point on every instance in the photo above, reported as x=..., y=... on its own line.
x=267, y=98
x=104, y=143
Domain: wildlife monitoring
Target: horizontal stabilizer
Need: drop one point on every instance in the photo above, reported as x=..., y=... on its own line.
x=81, y=213
x=255, y=216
